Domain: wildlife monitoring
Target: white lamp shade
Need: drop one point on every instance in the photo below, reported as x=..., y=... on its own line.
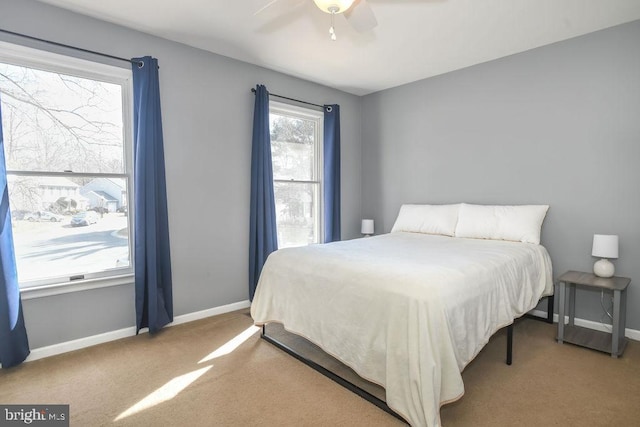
x=605, y=246
x=338, y=5
x=367, y=226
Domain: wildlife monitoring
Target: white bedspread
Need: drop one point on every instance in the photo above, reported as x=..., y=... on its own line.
x=407, y=311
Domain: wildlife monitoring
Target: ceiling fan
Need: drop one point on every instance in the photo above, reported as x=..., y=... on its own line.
x=357, y=12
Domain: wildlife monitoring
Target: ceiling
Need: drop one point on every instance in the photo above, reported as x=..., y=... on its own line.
x=414, y=39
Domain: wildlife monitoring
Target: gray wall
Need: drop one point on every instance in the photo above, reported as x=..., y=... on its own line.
x=207, y=118
x=558, y=125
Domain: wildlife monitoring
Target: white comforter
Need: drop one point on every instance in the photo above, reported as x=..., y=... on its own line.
x=404, y=310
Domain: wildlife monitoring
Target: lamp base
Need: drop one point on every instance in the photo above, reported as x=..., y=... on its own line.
x=604, y=268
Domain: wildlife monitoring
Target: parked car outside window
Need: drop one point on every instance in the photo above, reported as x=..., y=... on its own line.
x=84, y=218
x=19, y=214
x=43, y=216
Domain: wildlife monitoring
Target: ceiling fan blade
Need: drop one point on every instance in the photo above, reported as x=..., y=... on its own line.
x=277, y=6
x=265, y=7
x=361, y=16
x=280, y=14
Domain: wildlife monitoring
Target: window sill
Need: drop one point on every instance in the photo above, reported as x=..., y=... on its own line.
x=75, y=286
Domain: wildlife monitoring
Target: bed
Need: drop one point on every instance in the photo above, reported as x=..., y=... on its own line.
x=407, y=310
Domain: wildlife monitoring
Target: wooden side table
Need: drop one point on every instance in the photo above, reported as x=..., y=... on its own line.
x=613, y=342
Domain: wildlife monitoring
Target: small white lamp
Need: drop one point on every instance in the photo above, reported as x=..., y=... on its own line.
x=367, y=227
x=604, y=246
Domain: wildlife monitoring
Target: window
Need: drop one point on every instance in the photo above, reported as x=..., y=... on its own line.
x=67, y=141
x=296, y=152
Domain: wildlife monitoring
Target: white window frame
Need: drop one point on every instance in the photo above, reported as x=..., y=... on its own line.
x=317, y=116
x=57, y=63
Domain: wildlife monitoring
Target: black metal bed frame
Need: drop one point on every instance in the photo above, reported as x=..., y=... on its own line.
x=370, y=397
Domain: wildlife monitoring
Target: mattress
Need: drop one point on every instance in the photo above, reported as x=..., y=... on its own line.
x=407, y=311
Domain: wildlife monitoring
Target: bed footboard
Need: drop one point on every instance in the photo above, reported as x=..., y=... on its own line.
x=348, y=384
x=329, y=374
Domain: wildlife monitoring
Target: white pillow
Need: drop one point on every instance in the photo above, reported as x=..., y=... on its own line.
x=428, y=219
x=516, y=223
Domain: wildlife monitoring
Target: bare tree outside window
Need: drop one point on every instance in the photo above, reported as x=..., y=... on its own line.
x=57, y=122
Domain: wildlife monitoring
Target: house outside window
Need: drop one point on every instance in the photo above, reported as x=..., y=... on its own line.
x=296, y=152
x=68, y=147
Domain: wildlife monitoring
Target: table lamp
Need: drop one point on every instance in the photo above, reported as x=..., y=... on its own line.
x=605, y=246
x=367, y=227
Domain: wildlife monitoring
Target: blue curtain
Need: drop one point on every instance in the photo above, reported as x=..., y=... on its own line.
x=154, y=299
x=262, y=228
x=14, y=345
x=331, y=173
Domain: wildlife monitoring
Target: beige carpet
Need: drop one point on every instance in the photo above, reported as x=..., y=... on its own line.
x=186, y=376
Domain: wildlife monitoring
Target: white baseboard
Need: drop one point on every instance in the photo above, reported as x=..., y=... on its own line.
x=67, y=346
x=190, y=317
x=633, y=334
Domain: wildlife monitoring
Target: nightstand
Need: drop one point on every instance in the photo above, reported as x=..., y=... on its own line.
x=613, y=342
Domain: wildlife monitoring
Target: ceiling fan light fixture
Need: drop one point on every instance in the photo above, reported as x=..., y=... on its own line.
x=333, y=6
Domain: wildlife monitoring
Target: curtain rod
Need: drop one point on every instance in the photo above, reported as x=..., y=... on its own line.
x=70, y=47
x=291, y=99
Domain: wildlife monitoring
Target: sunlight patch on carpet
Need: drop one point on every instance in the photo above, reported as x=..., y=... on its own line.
x=164, y=393
x=232, y=344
